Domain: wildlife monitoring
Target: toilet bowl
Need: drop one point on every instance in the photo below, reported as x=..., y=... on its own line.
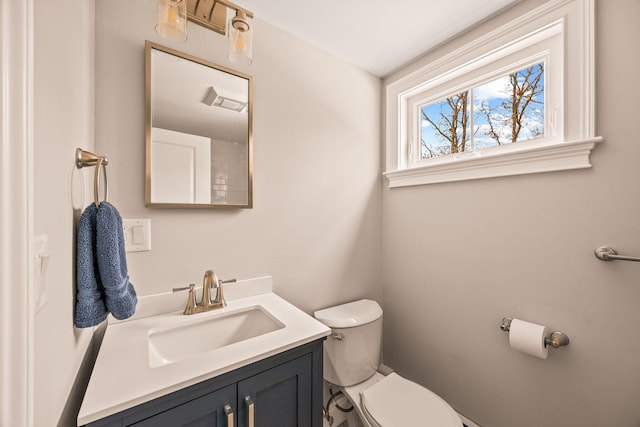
x=351, y=362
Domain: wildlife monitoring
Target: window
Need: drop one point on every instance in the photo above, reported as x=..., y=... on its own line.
x=502, y=111
x=502, y=105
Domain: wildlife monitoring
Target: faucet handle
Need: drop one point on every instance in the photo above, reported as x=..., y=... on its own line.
x=191, y=299
x=220, y=293
x=185, y=288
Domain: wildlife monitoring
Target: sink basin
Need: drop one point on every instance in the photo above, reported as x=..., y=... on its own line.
x=193, y=337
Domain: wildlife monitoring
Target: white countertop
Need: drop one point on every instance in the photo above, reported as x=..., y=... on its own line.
x=122, y=376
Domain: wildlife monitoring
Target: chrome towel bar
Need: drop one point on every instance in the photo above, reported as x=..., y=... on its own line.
x=606, y=253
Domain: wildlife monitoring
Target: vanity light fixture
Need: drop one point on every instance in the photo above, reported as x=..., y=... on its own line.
x=211, y=14
x=240, y=45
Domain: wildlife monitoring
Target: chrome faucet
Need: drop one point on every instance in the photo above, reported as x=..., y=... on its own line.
x=209, y=281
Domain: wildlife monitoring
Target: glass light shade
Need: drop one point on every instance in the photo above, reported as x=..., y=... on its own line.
x=240, y=42
x=171, y=21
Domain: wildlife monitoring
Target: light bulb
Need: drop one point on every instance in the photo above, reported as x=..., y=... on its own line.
x=240, y=42
x=171, y=16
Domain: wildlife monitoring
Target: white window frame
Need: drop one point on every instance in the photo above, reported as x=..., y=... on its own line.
x=560, y=32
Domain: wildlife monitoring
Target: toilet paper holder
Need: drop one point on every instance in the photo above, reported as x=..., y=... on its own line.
x=557, y=339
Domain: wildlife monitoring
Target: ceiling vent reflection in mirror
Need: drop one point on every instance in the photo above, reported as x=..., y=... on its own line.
x=172, y=16
x=213, y=99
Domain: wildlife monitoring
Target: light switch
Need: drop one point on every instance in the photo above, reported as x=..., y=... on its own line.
x=137, y=234
x=41, y=261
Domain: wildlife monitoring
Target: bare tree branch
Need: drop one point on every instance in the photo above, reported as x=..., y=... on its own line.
x=524, y=88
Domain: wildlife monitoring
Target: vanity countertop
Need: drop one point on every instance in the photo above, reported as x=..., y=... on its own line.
x=122, y=376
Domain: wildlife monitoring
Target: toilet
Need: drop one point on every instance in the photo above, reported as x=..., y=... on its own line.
x=352, y=356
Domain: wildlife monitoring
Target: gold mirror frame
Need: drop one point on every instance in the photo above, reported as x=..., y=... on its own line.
x=207, y=98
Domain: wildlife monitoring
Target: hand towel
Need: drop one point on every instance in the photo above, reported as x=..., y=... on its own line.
x=120, y=296
x=90, y=308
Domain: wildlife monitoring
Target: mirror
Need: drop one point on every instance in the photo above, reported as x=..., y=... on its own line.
x=198, y=132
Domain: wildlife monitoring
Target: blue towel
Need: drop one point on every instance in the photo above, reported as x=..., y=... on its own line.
x=90, y=307
x=120, y=296
x=101, y=268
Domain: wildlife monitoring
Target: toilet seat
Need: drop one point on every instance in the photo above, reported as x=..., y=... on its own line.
x=397, y=402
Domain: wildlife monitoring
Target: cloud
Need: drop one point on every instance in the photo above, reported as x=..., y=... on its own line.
x=496, y=89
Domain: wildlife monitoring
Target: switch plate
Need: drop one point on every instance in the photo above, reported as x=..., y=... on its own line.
x=137, y=234
x=40, y=264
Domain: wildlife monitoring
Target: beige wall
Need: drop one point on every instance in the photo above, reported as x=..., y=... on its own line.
x=63, y=120
x=460, y=256
x=315, y=225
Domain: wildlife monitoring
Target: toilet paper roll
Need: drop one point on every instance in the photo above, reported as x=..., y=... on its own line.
x=528, y=338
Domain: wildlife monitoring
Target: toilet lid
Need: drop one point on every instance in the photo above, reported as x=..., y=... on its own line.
x=397, y=402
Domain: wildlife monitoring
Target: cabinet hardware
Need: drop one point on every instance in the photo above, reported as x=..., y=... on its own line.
x=251, y=410
x=229, y=413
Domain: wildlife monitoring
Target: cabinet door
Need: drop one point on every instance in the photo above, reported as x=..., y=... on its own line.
x=281, y=396
x=204, y=411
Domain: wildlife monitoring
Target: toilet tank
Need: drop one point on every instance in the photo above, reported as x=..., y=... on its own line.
x=352, y=351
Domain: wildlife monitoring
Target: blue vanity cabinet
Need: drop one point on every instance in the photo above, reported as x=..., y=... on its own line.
x=281, y=396
x=284, y=390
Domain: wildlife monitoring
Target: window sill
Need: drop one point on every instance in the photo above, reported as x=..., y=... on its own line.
x=535, y=158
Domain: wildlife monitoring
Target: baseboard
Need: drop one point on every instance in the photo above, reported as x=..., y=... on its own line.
x=467, y=422
x=385, y=370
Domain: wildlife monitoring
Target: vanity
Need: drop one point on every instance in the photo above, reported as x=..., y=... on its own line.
x=255, y=362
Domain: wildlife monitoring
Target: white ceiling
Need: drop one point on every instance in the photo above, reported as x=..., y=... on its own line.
x=378, y=36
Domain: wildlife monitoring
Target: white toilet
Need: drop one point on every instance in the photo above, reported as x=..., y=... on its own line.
x=351, y=361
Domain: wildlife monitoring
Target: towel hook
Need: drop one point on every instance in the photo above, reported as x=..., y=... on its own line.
x=86, y=158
